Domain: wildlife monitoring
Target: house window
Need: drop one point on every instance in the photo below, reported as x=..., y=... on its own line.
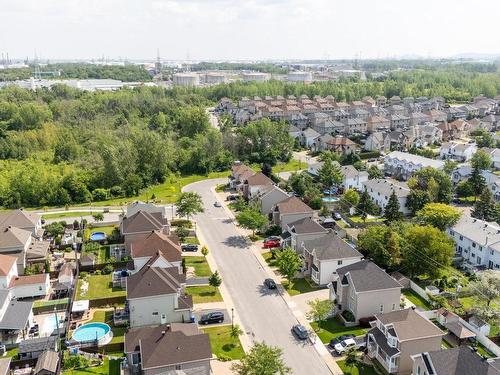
x=491, y=252
x=480, y=248
x=461, y=238
x=393, y=306
x=154, y=313
x=136, y=358
x=381, y=308
x=178, y=367
x=452, y=233
x=39, y=287
x=339, y=262
x=473, y=244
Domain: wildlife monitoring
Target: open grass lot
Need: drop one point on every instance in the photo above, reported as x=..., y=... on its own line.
x=204, y=294
x=66, y=214
x=292, y=166
x=99, y=287
x=200, y=265
x=223, y=344
x=332, y=328
x=191, y=240
x=108, y=367
x=107, y=317
x=299, y=286
x=416, y=299
x=358, y=369
x=358, y=219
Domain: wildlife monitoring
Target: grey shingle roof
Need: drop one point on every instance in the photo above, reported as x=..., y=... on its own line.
x=48, y=361
x=460, y=361
x=306, y=225
x=37, y=344
x=409, y=325
x=330, y=246
x=386, y=187
x=16, y=316
x=154, y=281
x=367, y=276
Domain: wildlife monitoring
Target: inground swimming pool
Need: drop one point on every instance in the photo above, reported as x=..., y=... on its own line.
x=97, y=236
x=93, y=331
x=329, y=199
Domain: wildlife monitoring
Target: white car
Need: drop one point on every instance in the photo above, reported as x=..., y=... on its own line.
x=342, y=346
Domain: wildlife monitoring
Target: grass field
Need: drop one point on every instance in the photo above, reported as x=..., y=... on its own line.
x=417, y=300
x=332, y=328
x=100, y=286
x=66, y=214
x=358, y=219
x=299, y=286
x=223, y=344
x=108, y=367
x=200, y=265
x=358, y=369
x=204, y=294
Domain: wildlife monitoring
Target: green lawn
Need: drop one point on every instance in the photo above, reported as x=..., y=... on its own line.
x=204, y=294
x=481, y=350
x=191, y=240
x=108, y=229
x=358, y=219
x=51, y=302
x=12, y=352
x=445, y=344
x=332, y=328
x=417, y=300
x=299, y=286
x=66, y=214
x=200, y=265
x=292, y=166
x=268, y=257
x=223, y=344
x=100, y=286
x=358, y=369
x=107, y=317
x=107, y=368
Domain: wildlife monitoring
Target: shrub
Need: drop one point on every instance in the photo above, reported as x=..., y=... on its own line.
x=75, y=361
x=349, y=316
x=224, y=358
x=181, y=223
x=117, y=191
x=83, y=274
x=100, y=194
x=315, y=203
x=182, y=233
x=273, y=230
x=108, y=268
x=97, y=272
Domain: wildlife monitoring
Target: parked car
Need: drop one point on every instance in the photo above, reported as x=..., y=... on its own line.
x=337, y=216
x=212, y=318
x=328, y=223
x=300, y=332
x=272, y=241
x=217, y=204
x=339, y=339
x=342, y=346
x=270, y=283
x=189, y=247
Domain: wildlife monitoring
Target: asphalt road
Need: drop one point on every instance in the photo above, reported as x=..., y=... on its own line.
x=264, y=314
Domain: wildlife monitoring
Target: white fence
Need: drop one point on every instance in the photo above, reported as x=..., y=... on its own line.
x=421, y=292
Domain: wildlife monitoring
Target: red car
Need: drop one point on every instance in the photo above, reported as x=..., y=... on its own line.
x=271, y=242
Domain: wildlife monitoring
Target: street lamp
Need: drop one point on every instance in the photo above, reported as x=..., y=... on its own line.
x=232, y=317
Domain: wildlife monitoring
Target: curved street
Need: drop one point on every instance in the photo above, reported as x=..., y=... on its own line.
x=264, y=314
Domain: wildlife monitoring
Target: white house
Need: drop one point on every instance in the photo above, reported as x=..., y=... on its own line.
x=477, y=242
x=16, y=318
x=457, y=151
x=269, y=198
x=353, y=179
x=495, y=156
x=21, y=286
x=380, y=190
x=66, y=276
x=403, y=165
x=308, y=137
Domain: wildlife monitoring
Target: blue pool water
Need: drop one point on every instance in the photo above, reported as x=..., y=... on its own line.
x=51, y=323
x=97, y=236
x=91, y=331
x=329, y=199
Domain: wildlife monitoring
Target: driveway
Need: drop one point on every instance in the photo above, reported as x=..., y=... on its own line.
x=264, y=316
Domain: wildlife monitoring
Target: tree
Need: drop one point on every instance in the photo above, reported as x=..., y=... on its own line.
x=382, y=244
x=351, y=196
x=375, y=172
x=366, y=206
x=330, y=174
x=351, y=357
x=484, y=208
x=439, y=215
x=267, y=170
x=262, y=360
x=182, y=232
x=189, y=203
x=428, y=185
x=98, y=216
x=235, y=332
x=289, y=263
x=426, y=250
x=481, y=160
x=487, y=287
x=319, y=310
x=464, y=189
x=476, y=182
x=251, y=218
x=215, y=280
x=449, y=166
x=485, y=140
x=392, y=209
x=204, y=251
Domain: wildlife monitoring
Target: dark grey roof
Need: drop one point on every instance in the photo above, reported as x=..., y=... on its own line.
x=306, y=225
x=154, y=281
x=367, y=276
x=47, y=361
x=382, y=342
x=37, y=345
x=16, y=316
x=330, y=246
x=460, y=361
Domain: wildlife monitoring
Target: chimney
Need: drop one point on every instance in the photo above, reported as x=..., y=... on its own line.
x=163, y=333
x=168, y=327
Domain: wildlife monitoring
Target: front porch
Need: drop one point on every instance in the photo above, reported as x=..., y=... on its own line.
x=377, y=348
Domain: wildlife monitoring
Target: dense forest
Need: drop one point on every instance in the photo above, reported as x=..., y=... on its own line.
x=127, y=73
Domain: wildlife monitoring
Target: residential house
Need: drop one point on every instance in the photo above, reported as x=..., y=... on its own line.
x=303, y=229
x=480, y=325
x=495, y=156
x=22, y=219
x=294, y=131
x=437, y=116
x=352, y=178
x=66, y=274
x=377, y=123
x=403, y=165
x=239, y=173
x=156, y=296
x=396, y=109
x=141, y=224
x=491, y=179
x=324, y=255
x=256, y=184
x=418, y=118
x=21, y=286
x=455, y=130
x=290, y=210
x=47, y=363
x=355, y=126
x=378, y=141
x=32, y=348
x=455, y=361
x=16, y=318
x=166, y=249
x=477, y=242
x=455, y=113
x=364, y=289
x=381, y=101
x=341, y=145
x=395, y=100
x=399, y=121
x=308, y=137
x=321, y=143
x=425, y=135
x=267, y=199
x=399, y=335
x=380, y=191
x=176, y=348
x=460, y=152
x=151, y=208
x=471, y=110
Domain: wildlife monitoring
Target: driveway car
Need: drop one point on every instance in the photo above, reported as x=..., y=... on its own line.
x=328, y=223
x=300, y=332
x=270, y=283
x=212, y=318
x=189, y=247
x=336, y=216
x=272, y=241
x=342, y=346
x=338, y=340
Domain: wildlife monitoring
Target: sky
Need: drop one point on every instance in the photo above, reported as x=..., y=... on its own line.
x=248, y=29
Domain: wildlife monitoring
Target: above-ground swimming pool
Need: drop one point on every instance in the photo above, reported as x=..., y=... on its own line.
x=97, y=236
x=93, y=331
